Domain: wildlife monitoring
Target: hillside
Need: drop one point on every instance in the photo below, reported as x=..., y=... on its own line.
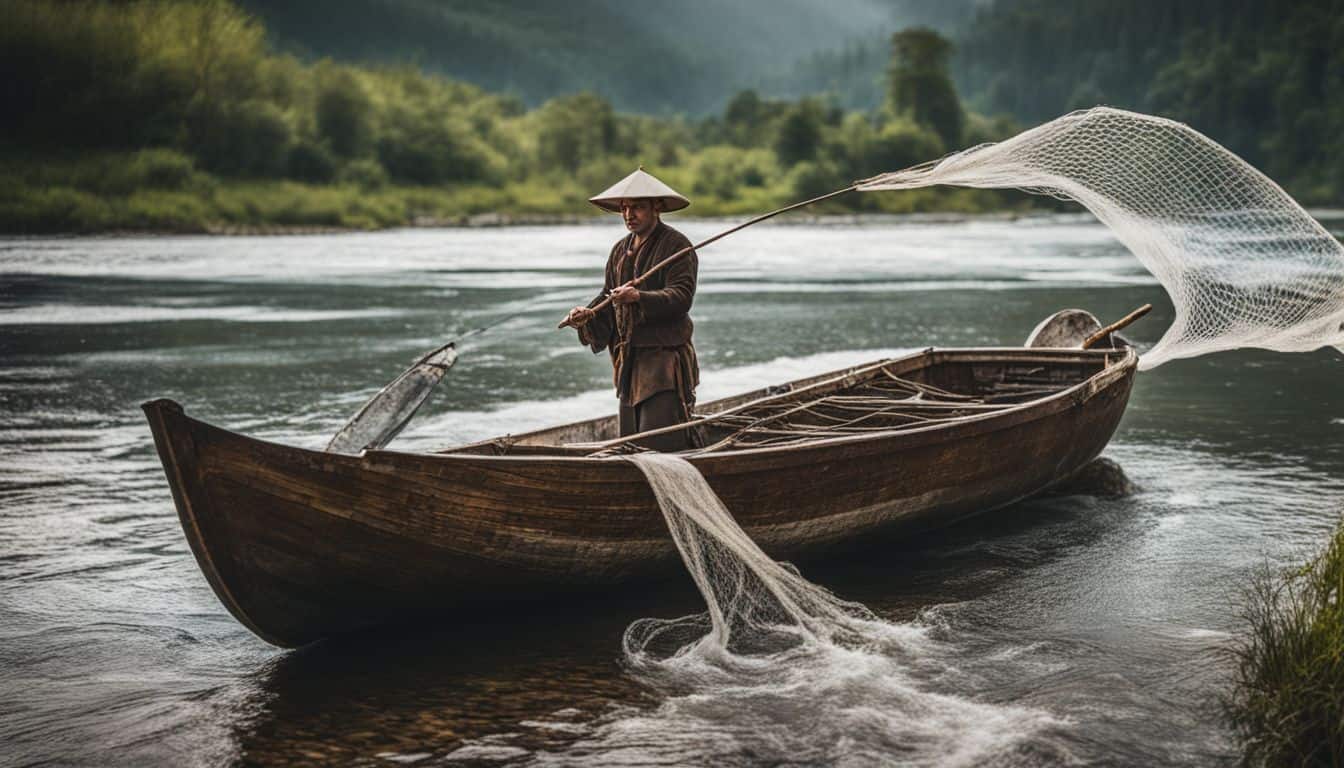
x=1263, y=77
x=688, y=59
x=194, y=115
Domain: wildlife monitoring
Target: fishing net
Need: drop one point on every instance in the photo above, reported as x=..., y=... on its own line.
x=1243, y=263
x=754, y=604
x=779, y=671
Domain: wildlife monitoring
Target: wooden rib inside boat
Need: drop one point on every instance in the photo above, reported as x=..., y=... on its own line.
x=302, y=544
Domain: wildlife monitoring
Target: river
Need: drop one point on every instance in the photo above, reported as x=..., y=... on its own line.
x=1105, y=617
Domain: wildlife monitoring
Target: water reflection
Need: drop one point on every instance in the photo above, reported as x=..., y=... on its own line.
x=426, y=687
x=114, y=651
x=1074, y=605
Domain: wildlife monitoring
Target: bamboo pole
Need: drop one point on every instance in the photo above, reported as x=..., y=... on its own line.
x=638, y=280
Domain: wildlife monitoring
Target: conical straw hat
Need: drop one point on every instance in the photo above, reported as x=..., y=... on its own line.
x=636, y=185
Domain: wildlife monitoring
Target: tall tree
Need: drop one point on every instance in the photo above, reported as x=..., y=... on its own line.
x=918, y=84
x=799, y=133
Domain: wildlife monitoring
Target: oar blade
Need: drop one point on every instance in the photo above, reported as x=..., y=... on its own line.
x=1066, y=329
x=388, y=412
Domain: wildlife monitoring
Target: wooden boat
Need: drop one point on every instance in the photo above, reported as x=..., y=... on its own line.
x=302, y=544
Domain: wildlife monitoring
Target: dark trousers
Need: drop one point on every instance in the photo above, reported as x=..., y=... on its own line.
x=661, y=410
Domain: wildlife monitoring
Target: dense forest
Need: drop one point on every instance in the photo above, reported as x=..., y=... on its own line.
x=1264, y=77
x=198, y=115
x=166, y=114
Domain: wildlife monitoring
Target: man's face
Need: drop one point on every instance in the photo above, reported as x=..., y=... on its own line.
x=640, y=215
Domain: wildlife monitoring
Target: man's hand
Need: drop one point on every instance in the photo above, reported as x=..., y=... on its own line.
x=625, y=294
x=580, y=316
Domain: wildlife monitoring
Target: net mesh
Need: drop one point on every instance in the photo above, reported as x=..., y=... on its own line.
x=1243, y=263
x=779, y=671
x=754, y=604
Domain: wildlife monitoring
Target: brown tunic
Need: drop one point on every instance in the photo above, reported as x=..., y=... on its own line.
x=650, y=340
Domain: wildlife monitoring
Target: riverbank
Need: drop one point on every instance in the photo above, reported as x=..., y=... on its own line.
x=1287, y=699
x=183, y=201
x=500, y=220
x=162, y=191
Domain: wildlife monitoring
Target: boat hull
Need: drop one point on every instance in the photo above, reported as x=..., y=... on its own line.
x=300, y=544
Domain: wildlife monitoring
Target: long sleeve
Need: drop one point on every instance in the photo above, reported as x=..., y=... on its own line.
x=674, y=299
x=598, y=333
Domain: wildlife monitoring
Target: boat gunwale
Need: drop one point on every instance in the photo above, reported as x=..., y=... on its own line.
x=1040, y=407
x=1101, y=380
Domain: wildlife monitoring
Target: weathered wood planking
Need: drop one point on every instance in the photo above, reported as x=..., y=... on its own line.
x=300, y=544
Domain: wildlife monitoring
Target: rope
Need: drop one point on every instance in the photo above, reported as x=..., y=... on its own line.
x=486, y=327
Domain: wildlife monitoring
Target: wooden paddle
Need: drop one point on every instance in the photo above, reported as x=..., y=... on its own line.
x=1097, y=337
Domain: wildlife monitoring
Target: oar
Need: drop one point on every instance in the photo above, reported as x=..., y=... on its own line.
x=1123, y=322
x=388, y=412
x=639, y=280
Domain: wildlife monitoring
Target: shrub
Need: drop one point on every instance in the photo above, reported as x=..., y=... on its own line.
x=813, y=179
x=344, y=111
x=799, y=133
x=246, y=138
x=722, y=170
x=372, y=211
x=603, y=172
x=163, y=211
x=901, y=144
x=573, y=131
x=1287, y=697
x=56, y=209
x=120, y=75
x=310, y=161
x=365, y=174
x=432, y=151
x=163, y=169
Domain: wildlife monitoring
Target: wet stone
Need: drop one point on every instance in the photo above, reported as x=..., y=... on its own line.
x=1101, y=477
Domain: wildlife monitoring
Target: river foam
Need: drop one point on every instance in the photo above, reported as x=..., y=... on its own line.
x=780, y=670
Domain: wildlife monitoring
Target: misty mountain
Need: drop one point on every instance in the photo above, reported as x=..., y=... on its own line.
x=685, y=57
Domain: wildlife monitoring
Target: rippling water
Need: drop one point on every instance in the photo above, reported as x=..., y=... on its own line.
x=1101, y=618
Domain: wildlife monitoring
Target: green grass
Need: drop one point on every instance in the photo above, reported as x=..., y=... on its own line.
x=1287, y=699
x=160, y=190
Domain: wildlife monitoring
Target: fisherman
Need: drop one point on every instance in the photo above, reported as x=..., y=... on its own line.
x=646, y=329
